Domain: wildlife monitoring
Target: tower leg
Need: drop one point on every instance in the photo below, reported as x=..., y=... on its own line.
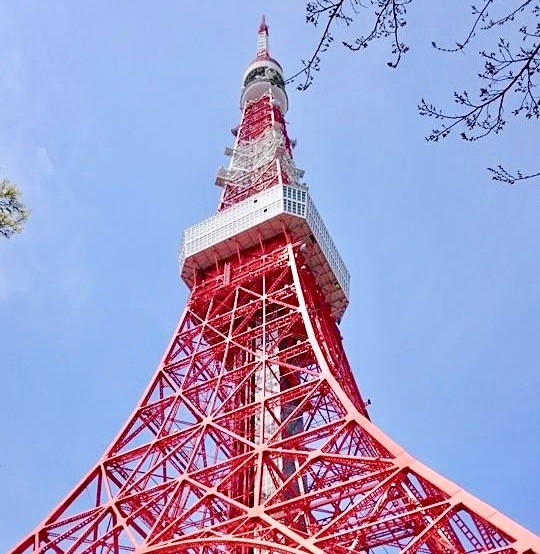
x=253, y=438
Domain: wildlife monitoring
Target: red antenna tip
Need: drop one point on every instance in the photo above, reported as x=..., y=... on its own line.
x=263, y=27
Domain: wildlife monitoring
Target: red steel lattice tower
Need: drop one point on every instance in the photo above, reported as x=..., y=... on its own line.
x=252, y=437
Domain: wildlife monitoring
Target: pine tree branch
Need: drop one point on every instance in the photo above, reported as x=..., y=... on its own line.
x=13, y=213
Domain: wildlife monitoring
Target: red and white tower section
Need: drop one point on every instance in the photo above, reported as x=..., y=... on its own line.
x=252, y=436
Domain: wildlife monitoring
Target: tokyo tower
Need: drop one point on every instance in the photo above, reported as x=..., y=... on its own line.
x=253, y=437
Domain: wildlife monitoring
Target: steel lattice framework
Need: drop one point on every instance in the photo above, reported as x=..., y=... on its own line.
x=252, y=437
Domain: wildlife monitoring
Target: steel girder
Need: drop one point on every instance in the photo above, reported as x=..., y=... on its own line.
x=253, y=438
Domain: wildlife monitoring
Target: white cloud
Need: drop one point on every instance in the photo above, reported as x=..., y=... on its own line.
x=43, y=160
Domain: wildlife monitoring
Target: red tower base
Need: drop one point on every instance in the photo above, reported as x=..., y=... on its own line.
x=253, y=438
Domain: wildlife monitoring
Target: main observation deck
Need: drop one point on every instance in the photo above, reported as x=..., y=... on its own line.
x=262, y=216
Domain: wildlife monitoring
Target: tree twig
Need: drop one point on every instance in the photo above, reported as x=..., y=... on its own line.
x=313, y=64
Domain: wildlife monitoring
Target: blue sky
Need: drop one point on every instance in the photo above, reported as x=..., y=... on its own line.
x=113, y=120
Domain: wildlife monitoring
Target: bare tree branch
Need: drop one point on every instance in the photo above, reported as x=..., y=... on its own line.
x=509, y=83
x=486, y=115
x=389, y=19
x=481, y=16
x=510, y=16
x=509, y=78
x=315, y=10
x=501, y=174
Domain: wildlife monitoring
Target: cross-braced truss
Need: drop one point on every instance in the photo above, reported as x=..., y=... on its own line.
x=253, y=438
x=262, y=156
